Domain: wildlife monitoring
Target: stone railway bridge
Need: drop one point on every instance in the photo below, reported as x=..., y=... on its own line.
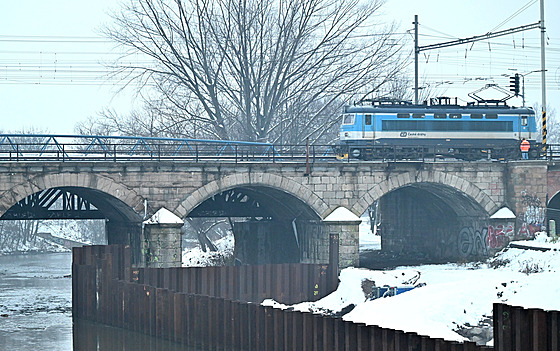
x=440, y=209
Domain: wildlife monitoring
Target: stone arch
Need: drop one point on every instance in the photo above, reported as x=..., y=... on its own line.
x=553, y=213
x=398, y=181
x=89, y=181
x=555, y=196
x=287, y=185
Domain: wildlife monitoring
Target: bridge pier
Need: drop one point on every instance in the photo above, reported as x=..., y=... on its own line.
x=304, y=241
x=348, y=232
x=161, y=240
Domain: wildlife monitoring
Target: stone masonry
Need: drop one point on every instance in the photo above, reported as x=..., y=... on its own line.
x=181, y=187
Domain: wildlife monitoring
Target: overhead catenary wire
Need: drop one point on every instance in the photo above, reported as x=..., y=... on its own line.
x=59, y=59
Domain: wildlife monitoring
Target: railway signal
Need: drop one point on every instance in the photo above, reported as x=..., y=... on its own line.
x=514, y=84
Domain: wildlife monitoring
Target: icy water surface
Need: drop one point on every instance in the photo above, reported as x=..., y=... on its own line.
x=36, y=311
x=36, y=302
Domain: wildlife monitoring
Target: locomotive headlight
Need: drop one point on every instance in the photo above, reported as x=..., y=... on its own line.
x=356, y=153
x=346, y=134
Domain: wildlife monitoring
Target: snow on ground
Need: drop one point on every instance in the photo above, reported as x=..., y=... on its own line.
x=446, y=300
x=195, y=257
x=368, y=239
x=448, y=297
x=63, y=229
x=37, y=245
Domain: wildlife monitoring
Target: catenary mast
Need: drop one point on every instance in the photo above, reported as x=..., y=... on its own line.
x=540, y=24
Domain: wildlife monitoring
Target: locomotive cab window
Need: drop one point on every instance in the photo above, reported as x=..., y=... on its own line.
x=476, y=115
x=440, y=115
x=368, y=120
x=348, y=118
x=418, y=115
x=403, y=115
x=524, y=121
x=455, y=115
x=491, y=116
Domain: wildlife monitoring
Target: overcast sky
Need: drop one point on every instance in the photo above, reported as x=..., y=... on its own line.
x=51, y=53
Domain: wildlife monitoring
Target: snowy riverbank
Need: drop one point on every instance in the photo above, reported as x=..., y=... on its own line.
x=449, y=300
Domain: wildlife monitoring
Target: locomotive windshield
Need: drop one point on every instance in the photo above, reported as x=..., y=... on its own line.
x=348, y=118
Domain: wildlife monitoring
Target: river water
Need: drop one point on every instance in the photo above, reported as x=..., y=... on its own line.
x=36, y=311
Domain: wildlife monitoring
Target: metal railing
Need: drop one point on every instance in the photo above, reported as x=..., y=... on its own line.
x=79, y=148
x=64, y=148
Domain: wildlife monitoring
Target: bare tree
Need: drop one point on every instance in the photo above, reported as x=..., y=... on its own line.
x=252, y=69
x=552, y=124
x=16, y=235
x=208, y=230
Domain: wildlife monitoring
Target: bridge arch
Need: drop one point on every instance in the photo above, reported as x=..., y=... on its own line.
x=120, y=206
x=407, y=179
x=430, y=215
x=273, y=218
x=58, y=180
x=553, y=214
x=264, y=180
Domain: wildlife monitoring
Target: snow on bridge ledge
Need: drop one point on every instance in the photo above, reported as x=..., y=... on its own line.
x=342, y=214
x=503, y=213
x=164, y=216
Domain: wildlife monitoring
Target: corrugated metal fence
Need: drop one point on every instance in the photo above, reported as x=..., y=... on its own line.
x=210, y=308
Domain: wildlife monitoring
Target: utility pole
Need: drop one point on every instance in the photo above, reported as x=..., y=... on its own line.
x=543, y=80
x=416, y=52
x=490, y=35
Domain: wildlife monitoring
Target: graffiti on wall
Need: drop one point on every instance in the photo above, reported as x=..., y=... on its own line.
x=477, y=241
x=472, y=241
x=499, y=235
x=533, y=217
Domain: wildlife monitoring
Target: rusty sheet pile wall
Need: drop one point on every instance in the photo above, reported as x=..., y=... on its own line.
x=517, y=328
x=286, y=283
x=175, y=304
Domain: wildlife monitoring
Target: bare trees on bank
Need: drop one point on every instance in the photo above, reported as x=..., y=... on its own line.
x=271, y=70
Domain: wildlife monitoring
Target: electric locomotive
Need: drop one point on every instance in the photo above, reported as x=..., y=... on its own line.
x=387, y=129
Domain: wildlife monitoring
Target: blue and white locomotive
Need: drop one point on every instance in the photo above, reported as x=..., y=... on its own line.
x=396, y=129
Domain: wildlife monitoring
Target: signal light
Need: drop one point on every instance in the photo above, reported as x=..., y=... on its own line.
x=514, y=84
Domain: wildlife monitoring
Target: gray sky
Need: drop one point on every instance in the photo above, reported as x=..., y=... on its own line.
x=51, y=52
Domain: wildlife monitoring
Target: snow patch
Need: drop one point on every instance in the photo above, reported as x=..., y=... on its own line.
x=342, y=214
x=164, y=216
x=503, y=213
x=369, y=240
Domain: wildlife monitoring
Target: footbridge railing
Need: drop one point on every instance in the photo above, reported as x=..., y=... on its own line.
x=47, y=147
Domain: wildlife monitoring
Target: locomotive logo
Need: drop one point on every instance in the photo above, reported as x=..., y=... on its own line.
x=404, y=134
